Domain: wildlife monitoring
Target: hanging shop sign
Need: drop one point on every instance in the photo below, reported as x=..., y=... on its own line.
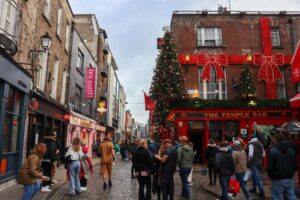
x=90, y=78
x=86, y=123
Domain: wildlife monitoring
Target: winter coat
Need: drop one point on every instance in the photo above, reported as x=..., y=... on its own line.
x=185, y=156
x=30, y=171
x=107, y=149
x=224, y=163
x=257, y=158
x=281, y=163
x=210, y=154
x=169, y=166
x=50, y=155
x=240, y=159
x=72, y=155
x=143, y=161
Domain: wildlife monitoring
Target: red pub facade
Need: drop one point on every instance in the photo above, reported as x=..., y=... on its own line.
x=212, y=48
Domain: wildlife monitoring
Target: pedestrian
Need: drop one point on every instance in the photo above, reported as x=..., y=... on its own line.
x=256, y=155
x=185, y=163
x=86, y=167
x=156, y=189
x=281, y=168
x=240, y=166
x=169, y=163
x=107, y=155
x=30, y=172
x=210, y=155
x=73, y=156
x=225, y=168
x=144, y=168
x=56, y=162
x=95, y=149
x=49, y=160
x=190, y=177
x=133, y=149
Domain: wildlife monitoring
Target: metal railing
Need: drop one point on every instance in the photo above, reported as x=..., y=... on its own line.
x=10, y=17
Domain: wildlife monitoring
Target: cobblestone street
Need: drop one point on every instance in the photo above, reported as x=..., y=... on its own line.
x=123, y=187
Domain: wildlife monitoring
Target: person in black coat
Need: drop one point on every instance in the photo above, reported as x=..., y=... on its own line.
x=281, y=168
x=210, y=154
x=144, y=168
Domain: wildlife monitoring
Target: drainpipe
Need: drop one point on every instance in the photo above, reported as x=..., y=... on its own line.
x=290, y=22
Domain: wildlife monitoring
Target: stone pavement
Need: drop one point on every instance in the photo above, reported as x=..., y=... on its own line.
x=124, y=188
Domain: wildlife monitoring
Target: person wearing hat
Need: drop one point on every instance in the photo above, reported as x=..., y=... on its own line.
x=225, y=168
x=185, y=163
x=240, y=166
x=169, y=163
x=107, y=153
x=210, y=155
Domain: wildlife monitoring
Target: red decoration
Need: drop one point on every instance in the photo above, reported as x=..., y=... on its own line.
x=296, y=65
x=149, y=104
x=209, y=61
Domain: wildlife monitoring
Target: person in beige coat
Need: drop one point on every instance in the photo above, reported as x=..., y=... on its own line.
x=240, y=165
x=30, y=172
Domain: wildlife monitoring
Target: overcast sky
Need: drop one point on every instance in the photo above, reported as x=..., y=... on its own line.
x=133, y=26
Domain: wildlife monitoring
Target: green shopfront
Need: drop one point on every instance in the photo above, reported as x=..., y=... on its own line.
x=15, y=85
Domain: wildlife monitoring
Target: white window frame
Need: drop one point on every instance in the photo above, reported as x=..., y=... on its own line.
x=275, y=37
x=202, y=37
x=54, y=79
x=42, y=71
x=279, y=83
x=67, y=44
x=47, y=9
x=80, y=61
x=59, y=20
x=64, y=86
x=8, y=21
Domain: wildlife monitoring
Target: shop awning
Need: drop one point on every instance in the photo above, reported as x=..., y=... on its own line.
x=295, y=101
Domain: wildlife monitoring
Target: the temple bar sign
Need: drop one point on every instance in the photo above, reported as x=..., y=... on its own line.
x=235, y=115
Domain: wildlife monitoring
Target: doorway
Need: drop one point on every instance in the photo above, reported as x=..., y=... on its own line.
x=198, y=140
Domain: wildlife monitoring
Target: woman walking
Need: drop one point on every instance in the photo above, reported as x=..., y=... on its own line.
x=157, y=174
x=210, y=155
x=74, y=155
x=30, y=172
x=144, y=168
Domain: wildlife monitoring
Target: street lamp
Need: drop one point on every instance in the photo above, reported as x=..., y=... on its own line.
x=46, y=41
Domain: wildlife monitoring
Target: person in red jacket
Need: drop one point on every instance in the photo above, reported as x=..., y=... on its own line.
x=86, y=168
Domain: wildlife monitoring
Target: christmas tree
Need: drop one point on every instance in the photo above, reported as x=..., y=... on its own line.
x=167, y=81
x=246, y=86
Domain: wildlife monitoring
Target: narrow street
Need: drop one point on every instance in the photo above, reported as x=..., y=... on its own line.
x=124, y=188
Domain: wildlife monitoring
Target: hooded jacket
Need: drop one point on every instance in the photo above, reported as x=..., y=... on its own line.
x=281, y=163
x=52, y=147
x=210, y=154
x=185, y=156
x=240, y=159
x=224, y=162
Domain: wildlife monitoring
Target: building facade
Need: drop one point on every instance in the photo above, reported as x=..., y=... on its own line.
x=212, y=51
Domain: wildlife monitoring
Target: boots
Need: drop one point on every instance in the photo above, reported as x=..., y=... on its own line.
x=104, y=186
x=109, y=183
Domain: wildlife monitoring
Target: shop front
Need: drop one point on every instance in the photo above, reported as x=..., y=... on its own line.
x=44, y=118
x=15, y=84
x=84, y=128
x=224, y=124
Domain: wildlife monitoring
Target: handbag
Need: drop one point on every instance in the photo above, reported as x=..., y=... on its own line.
x=203, y=171
x=234, y=187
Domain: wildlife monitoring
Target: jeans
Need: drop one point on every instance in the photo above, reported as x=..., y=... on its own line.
x=224, y=183
x=257, y=179
x=167, y=185
x=30, y=191
x=74, y=168
x=240, y=179
x=283, y=186
x=184, y=173
x=47, y=169
x=144, y=181
x=212, y=175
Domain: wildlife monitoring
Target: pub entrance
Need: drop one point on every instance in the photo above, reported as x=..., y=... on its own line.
x=196, y=135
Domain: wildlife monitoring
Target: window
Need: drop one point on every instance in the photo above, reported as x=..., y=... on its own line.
x=210, y=37
x=67, y=37
x=63, y=89
x=280, y=87
x=78, y=98
x=59, y=17
x=213, y=89
x=7, y=20
x=54, y=79
x=47, y=9
x=80, y=61
x=215, y=130
x=275, y=37
x=42, y=71
x=12, y=120
x=231, y=129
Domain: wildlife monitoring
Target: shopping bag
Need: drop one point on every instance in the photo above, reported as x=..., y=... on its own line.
x=203, y=171
x=234, y=187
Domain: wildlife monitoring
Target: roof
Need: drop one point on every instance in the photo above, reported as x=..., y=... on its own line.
x=228, y=13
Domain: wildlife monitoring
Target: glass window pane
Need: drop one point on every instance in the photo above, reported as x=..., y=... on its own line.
x=215, y=130
x=6, y=133
x=14, y=137
x=231, y=130
x=17, y=102
x=10, y=100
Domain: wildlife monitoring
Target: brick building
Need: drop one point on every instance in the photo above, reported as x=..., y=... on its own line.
x=212, y=48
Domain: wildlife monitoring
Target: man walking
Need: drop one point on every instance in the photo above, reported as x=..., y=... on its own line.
x=281, y=167
x=256, y=155
x=169, y=163
x=133, y=149
x=185, y=163
x=107, y=153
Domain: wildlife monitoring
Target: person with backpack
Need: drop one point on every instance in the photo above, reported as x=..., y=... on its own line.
x=210, y=154
x=95, y=149
x=224, y=165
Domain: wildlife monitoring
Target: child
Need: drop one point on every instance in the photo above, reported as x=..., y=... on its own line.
x=86, y=168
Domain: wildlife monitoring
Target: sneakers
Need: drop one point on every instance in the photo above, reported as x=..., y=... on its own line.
x=83, y=188
x=109, y=184
x=46, y=189
x=104, y=186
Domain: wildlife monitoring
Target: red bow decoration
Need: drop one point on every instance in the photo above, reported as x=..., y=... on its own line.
x=216, y=61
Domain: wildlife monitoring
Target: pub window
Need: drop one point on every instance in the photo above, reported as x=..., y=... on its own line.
x=68, y=29
x=231, y=130
x=80, y=61
x=213, y=89
x=54, y=79
x=59, y=20
x=210, y=37
x=12, y=121
x=215, y=130
x=275, y=37
x=280, y=87
x=78, y=98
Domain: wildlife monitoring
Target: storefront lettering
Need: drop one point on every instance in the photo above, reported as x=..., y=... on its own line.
x=211, y=115
x=235, y=115
x=86, y=123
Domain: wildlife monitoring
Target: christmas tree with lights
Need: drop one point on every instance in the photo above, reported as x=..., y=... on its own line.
x=245, y=87
x=167, y=81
